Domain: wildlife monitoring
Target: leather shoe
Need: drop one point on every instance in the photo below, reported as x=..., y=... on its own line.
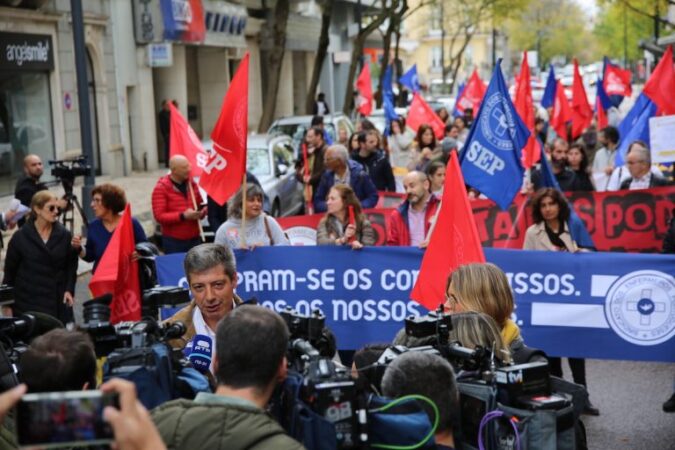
x=590, y=410
x=669, y=406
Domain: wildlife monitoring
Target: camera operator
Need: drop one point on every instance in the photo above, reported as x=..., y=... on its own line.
x=30, y=183
x=59, y=361
x=432, y=376
x=250, y=361
x=211, y=273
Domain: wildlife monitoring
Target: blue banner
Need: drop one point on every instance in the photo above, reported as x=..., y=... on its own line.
x=594, y=305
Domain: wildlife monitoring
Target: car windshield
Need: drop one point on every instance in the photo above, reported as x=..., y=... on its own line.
x=297, y=130
x=258, y=161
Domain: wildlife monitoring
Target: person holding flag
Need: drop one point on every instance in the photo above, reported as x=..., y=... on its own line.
x=173, y=206
x=344, y=222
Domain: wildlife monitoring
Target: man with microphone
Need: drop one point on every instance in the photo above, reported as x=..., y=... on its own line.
x=211, y=273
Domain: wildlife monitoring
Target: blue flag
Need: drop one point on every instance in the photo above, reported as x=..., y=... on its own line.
x=635, y=126
x=388, y=101
x=577, y=228
x=410, y=80
x=601, y=94
x=491, y=155
x=548, y=99
x=455, y=111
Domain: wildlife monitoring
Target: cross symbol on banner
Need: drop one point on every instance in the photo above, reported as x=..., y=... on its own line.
x=503, y=123
x=646, y=307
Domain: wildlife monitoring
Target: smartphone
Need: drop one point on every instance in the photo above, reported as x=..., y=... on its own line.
x=64, y=419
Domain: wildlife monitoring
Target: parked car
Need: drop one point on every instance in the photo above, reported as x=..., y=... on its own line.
x=296, y=126
x=377, y=117
x=271, y=159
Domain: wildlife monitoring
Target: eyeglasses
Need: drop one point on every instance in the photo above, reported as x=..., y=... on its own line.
x=53, y=208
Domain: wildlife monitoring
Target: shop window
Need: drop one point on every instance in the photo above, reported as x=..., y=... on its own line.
x=25, y=125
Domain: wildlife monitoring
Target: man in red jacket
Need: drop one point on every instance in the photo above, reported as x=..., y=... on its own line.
x=409, y=223
x=174, y=208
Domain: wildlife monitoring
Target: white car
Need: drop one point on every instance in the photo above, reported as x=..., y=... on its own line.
x=296, y=126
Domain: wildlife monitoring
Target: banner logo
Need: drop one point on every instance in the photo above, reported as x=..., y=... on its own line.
x=640, y=307
x=497, y=123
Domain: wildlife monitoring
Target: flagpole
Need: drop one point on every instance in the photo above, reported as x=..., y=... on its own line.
x=243, y=213
x=194, y=205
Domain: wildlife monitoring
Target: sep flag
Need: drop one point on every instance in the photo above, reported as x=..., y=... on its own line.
x=491, y=156
x=117, y=274
x=225, y=169
x=184, y=141
x=454, y=240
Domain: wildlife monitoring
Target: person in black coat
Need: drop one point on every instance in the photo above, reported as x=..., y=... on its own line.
x=41, y=264
x=577, y=161
x=375, y=161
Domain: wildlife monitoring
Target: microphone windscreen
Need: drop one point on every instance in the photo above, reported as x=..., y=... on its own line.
x=200, y=353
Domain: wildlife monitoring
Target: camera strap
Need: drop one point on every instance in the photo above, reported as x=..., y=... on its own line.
x=494, y=415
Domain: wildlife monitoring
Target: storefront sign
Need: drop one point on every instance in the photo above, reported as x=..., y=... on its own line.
x=147, y=21
x=225, y=24
x=25, y=52
x=160, y=55
x=183, y=20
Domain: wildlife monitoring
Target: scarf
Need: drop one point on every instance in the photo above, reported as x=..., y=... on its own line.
x=510, y=332
x=555, y=237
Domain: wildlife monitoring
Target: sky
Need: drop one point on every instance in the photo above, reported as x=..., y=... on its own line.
x=589, y=6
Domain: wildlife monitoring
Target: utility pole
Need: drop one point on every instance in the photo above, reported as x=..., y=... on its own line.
x=442, y=48
x=83, y=103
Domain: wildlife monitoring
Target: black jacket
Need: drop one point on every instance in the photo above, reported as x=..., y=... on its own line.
x=653, y=182
x=567, y=180
x=41, y=273
x=25, y=188
x=378, y=167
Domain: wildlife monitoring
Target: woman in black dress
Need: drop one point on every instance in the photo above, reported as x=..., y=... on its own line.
x=41, y=264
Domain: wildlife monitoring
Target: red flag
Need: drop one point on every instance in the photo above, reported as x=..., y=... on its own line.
x=420, y=113
x=365, y=88
x=454, y=240
x=225, y=169
x=562, y=113
x=660, y=87
x=600, y=113
x=184, y=141
x=117, y=274
x=582, y=113
x=525, y=109
x=472, y=95
x=616, y=81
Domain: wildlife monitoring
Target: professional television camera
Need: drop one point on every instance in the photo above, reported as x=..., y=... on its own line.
x=65, y=170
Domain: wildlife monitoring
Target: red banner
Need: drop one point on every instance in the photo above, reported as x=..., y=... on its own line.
x=621, y=221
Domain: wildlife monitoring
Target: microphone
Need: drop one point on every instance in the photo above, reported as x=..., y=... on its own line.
x=200, y=353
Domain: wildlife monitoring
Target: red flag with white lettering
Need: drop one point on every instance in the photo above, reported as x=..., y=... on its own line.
x=117, y=273
x=420, y=113
x=454, y=240
x=472, y=95
x=225, y=169
x=184, y=141
x=616, y=81
x=365, y=88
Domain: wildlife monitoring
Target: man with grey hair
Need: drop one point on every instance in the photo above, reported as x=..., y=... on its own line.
x=418, y=373
x=339, y=169
x=409, y=224
x=211, y=272
x=639, y=163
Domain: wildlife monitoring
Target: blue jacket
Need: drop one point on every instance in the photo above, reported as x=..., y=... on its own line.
x=359, y=180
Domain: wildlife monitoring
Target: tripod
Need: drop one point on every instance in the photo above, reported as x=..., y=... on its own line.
x=72, y=203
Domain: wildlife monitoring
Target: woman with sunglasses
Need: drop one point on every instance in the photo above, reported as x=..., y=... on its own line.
x=41, y=265
x=108, y=202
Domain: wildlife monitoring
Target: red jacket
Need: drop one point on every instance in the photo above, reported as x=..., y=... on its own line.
x=167, y=205
x=399, y=232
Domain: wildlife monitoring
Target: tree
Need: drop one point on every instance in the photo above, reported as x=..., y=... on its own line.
x=553, y=28
x=394, y=25
x=273, y=62
x=321, y=52
x=638, y=19
x=386, y=9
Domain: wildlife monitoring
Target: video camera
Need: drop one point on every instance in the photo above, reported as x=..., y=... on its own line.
x=326, y=388
x=68, y=169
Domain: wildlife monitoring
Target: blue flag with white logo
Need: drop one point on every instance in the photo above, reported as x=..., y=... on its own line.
x=548, y=98
x=388, y=100
x=410, y=80
x=491, y=156
x=577, y=228
x=635, y=126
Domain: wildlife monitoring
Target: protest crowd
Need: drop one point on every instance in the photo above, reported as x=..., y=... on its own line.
x=222, y=370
